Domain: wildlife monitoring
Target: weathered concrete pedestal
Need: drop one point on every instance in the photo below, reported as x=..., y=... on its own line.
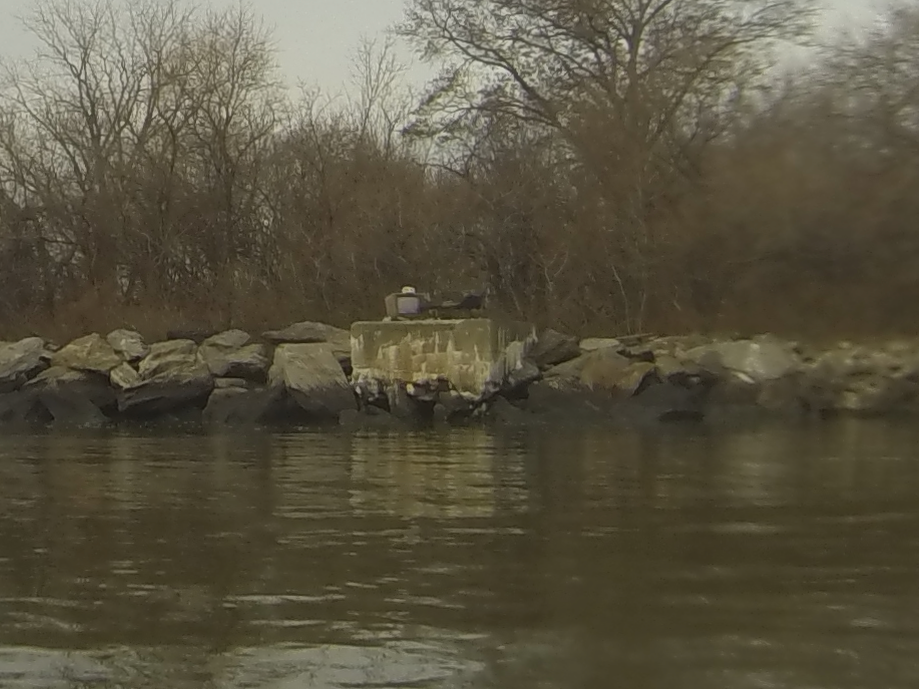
x=473, y=355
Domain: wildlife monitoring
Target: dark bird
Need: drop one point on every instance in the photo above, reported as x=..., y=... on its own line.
x=470, y=301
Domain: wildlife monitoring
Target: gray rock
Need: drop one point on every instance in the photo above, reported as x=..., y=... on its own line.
x=664, y=401
x=196, y=335
x=566, y=399
x=677, y=345
x=567, y=371
x=502, y=413
x=231, y=355
x=172, y=376
x=735, y=395
x=591, y=344
x=865, y=394
x=313, y=378
x=167, y=356
x=527, y=372
x=452, y=408
x=862, y=380
x=20, y=361
x=124, y=376
x=552, y=348
x=72, y=397
x=877, y=395
x=633, y=379
x=233, y=383
x=22, y=407
x=604, y=369
x=249, y=363
x=128, y=344
x=228, y=340
x=756, y=361
x=668, y=365
x=91, y=384
x=309, y=332
x=90, y=353
x=241, y=406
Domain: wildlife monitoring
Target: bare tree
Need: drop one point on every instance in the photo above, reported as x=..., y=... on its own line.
x=138, y=131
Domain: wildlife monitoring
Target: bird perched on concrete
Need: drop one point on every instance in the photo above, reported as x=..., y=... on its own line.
x=470, y=301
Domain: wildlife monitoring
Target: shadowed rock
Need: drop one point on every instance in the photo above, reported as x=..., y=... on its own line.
x=73, y=398
x=552, y=348
x=172, y=376
x=232, y=354
x=312, y=376
x=22, y=408
x=235, y=406
x=20, y=361
x=196, y=335
x=592, y=344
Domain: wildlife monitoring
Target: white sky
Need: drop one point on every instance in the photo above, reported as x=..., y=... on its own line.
x=316, y=38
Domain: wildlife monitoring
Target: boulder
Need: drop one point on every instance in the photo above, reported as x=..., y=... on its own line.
x=735, y=394
x=196, y=335
x=124, y=376
x=312, y=376
x=20, y=361
x=409, y=404
x=783, y=396
x=866, y=393
x=552, y=348
x=567, y=372
x=862, y=380
x=22, y=407
x=73, y=397
x=634, y=379
x=591, y=344
x=309, y=332
x=452, y=408
x=91, y=353
x=232, y=354
x=228, y=340
x=665, y=401
x=876, y=395
x=684, y=374
x=128, y=344
x=753, y=360
x=168, y=356
x=242, y=406
x=566, y=399
x=172, y=377
x=499, y=411
x=233, y=383
x=520, y=377
x=677, y=345
x=605, y=369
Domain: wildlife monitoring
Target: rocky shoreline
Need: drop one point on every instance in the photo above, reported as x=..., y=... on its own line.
x=301, y=375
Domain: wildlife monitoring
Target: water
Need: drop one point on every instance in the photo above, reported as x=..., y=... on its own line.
x=749, y=558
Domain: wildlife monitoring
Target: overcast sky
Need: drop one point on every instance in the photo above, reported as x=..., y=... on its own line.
x=316, y=38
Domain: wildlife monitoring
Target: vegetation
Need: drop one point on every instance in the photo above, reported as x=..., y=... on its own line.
x=603, y=166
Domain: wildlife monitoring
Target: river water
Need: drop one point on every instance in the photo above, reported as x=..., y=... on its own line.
x=682, y=558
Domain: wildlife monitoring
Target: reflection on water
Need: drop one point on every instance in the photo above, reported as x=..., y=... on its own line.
x=763, y=557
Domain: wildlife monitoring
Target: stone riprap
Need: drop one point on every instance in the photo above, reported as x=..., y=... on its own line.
x=401, y=373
